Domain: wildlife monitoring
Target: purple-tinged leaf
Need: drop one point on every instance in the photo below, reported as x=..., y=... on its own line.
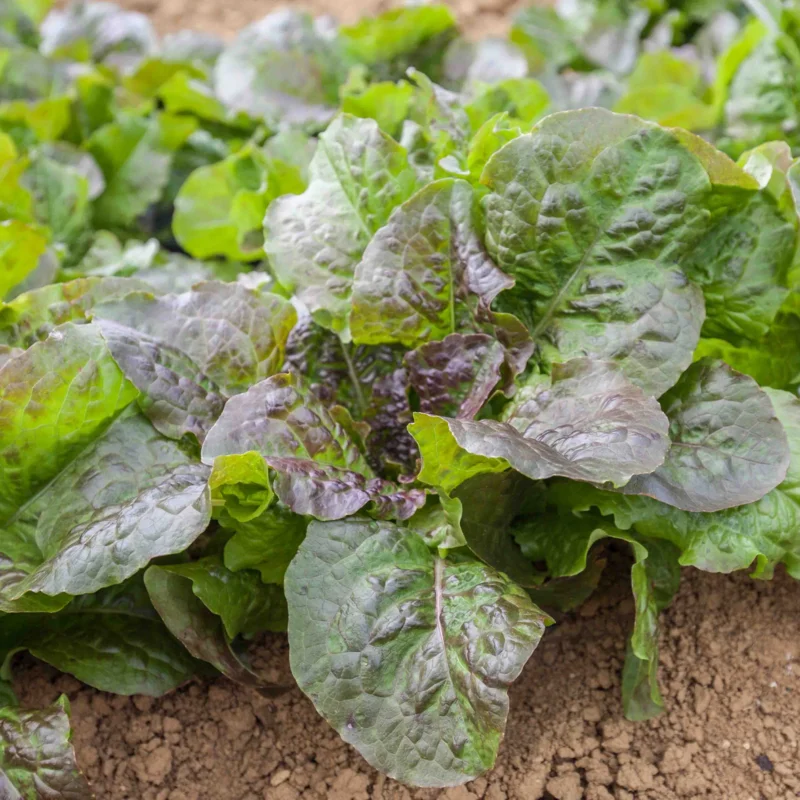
x=456, y=376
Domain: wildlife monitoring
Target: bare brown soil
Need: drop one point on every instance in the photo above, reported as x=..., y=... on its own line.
x=730, y=669
x=730, y=674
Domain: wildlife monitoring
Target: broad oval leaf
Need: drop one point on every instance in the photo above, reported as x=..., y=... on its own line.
x=590, y=214
x=55, y=399
x=112, y=640
x=586, y=422
x=129, y=496
x=406, y=654
x=728, y=447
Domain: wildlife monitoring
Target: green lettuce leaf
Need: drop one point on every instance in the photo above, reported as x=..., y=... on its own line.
x=397, y=648
x=315, y=240
x=67, y=528
x=762, y=534
x=36, y=756
x=135, y=155
x=588, y=220
x=391, y=42
x=187, y=353
x=206, y=606
x=283, y=68
x=30, y=317
x=21, y=246
x=728, y=447
x=586, y=422
x=219, y=210
x=425, y=274
x=113, y=640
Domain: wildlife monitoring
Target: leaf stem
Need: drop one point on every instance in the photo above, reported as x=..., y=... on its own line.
x=351, y=370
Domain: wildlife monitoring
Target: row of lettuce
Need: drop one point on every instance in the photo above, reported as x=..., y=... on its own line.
x=342, y=329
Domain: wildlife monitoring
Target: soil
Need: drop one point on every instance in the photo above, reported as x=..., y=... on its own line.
x=730, y=669
x=730, y=675
x=477, y=17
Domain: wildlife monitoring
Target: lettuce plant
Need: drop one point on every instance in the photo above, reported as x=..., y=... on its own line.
x=377, y=336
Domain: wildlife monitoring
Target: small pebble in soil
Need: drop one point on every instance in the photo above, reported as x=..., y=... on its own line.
x=764, y=763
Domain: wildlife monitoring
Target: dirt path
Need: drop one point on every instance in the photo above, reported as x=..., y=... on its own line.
x=730, y=673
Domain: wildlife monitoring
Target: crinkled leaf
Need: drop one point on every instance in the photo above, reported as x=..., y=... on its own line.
x=728, y=447
x=456, y=376
x=94, y=527
x=445, y=124
x=328, y=492
x=31, y=316
x=316, y=239
x=742, y=263
x=186, y=353
x=56, y=399
x=773, y=360
x=589, y=214
x=763, y=534
x=587, y=422
x=369, y=379
x=279, y=418
x=397, y=648
x=36, y=756
x=425, y=273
